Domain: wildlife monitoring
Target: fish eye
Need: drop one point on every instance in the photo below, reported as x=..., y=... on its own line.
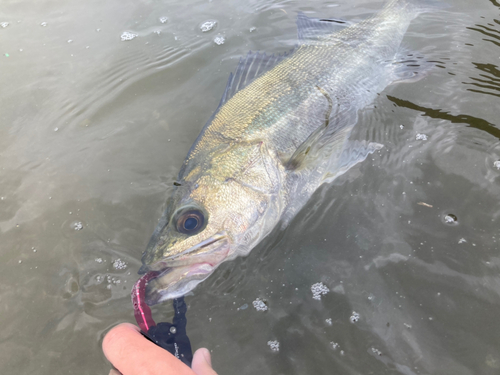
x=190, y=222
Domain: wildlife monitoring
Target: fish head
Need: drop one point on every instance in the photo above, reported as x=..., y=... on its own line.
x=206, y=222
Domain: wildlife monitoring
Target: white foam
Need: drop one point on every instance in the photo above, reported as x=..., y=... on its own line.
x=127, y=35
x=318, y=290
x=354, y=317
x=421, y=137
x=259, y=305
x=119, y=264
x=274, y=345
x=219, y=40
x=207, y=26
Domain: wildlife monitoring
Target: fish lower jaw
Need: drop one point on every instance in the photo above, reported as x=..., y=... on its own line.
x=176, y=281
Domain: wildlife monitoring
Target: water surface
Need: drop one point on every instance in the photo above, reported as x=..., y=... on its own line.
x=94, y=128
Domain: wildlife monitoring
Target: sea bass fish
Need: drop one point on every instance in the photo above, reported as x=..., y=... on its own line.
x=281, y=130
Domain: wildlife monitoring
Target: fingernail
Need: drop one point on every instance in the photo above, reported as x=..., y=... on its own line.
x=206, y=355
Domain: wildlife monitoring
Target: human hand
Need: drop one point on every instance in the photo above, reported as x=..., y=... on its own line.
x=132, y=354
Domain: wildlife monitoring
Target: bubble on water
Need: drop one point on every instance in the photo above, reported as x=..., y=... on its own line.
x=252, y=29
x=421, y=137
x=335, y=345
x=207, y=26
x=401, y=127
x=243, y=307
x=157, y=32
x=408, y=326
x=78, y=225
x=19, y=261
x=354, y=318
x=462, y=240
x=329, y=321
x=70, y=40
x=274, y=345
x=4, y=24
x=119, y=264
x=376, y=352
x=259, y=305
x=34, y=250
x=98, y=260
x=127, y=35
x=496, y=164
x=43, y=24
x=163, y=19
x=219, y=40
x=450, y=219
x=56, y=129
x=318, y=290
x=112, y=280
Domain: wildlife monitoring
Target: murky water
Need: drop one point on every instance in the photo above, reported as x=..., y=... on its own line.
x=99, y=104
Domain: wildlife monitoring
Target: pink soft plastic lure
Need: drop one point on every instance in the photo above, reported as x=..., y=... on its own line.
x=142, y=312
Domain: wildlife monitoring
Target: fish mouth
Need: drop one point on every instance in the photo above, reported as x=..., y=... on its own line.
x=175, y=276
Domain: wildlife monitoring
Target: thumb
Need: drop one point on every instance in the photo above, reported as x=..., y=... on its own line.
x=202, y=363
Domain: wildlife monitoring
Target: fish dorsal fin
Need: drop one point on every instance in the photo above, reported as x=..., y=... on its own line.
x=314, y=29
x=249, y=68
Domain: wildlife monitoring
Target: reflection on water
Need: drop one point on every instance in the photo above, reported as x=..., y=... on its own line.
x=471, y=121
x=403, y=250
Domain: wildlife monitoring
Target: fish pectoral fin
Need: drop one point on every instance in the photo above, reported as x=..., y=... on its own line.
x=327, y=138
x=314, y=29
x=305, y=151
x=353, y=153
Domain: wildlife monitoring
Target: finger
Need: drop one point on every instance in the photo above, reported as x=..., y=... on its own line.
x=132, y=354
x=202, y=362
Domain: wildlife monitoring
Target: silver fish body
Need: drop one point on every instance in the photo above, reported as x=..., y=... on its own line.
x=280, y=132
